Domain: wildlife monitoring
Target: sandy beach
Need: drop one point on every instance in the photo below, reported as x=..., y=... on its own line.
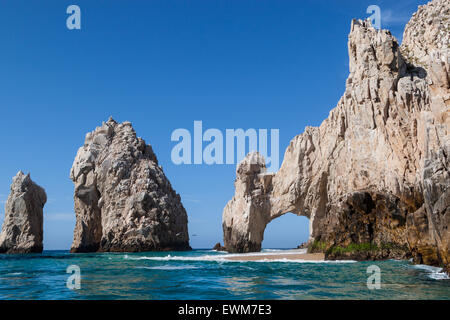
x=291, y=255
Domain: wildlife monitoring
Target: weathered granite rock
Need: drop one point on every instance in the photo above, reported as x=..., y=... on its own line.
x=374, y=177
x=22, y=230
x=219, y=247
x=303, y=245
x=123, y=200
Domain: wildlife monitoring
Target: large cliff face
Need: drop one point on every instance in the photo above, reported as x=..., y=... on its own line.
x=22, y=230
x=375, y=174
x=123, y=200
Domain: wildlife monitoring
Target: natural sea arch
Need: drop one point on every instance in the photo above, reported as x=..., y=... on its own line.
x=262, y=197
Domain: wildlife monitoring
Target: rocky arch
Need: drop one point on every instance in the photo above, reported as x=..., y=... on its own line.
x=374, y=177
x=260, y=199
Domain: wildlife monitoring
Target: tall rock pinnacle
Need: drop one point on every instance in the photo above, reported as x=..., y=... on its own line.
x=22, y=230
x=123, y=200
x=377, y=170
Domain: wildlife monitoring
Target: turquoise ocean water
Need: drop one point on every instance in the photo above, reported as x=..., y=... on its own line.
x=205, y=274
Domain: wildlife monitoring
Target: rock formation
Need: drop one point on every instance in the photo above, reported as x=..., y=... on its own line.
x=123, y=200
x=374, y=177
x=22, y=230
x=219, y=247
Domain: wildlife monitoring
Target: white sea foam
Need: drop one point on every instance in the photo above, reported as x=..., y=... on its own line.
x=218, y=251
x=224, y=257
x=283, y=251
x=435, y=273
x=439, y=276
x=177, y=258
x=167, y=267
x=300, y=261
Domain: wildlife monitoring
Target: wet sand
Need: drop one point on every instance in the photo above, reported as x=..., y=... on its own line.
x=278, y=256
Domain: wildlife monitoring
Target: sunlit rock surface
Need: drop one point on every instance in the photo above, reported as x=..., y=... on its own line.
x=123, y=200
x=22, y=230
x=374, y=177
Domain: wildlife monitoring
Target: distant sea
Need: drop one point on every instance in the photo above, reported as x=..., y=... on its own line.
x=205, y=274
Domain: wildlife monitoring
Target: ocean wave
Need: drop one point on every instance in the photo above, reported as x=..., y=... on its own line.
x=300, y=261
x=177, y=258
x=167, y=267
x=14, y=274
x=224, y=258
x=218, y=251
x=285, y=250
x=435, y=273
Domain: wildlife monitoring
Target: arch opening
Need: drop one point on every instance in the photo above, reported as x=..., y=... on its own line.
x=286, y=232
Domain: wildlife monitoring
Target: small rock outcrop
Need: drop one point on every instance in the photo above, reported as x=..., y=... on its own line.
x=22, y=230
x=123, y=200
x=303, y=245
x=374, y=178
x=219, y=247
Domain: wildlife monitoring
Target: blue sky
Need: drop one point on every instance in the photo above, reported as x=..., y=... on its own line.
x=161, y=65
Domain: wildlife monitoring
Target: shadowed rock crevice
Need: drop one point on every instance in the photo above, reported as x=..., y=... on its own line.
x=374, y=177
x=123, y=200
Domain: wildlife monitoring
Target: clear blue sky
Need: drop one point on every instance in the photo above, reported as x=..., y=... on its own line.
x=162, y=64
